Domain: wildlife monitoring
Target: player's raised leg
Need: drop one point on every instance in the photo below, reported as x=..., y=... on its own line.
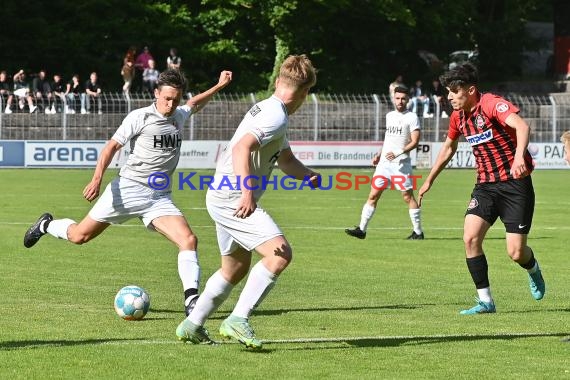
x=67, y=229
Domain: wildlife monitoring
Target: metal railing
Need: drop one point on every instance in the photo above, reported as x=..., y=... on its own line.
x=323, y=117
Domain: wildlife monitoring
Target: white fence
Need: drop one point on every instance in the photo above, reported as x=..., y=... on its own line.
x=323, y=117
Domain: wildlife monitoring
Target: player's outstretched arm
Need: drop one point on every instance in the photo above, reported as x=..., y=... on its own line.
x=198, y=101
x=91, y=191
x=290, y=165
x=445, y=154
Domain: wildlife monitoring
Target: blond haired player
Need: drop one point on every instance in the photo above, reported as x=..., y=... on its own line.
x=242, y=225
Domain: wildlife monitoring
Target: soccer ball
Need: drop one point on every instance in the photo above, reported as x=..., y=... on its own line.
x=132, y=303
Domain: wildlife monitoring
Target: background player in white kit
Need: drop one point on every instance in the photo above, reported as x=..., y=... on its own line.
x=395, y=165
x=155, y=140
x=242, y=226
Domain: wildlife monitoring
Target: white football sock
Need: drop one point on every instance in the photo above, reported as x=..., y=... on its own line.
x=259, y=282
x=485, y=294
x=189, y=270
x=217, y=290
x=58, y=228
x=365, y=216
x=416, y=217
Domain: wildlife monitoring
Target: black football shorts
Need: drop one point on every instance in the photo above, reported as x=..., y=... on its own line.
x=512, y=201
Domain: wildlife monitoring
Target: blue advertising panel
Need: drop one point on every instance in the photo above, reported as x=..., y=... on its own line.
x=12, y=153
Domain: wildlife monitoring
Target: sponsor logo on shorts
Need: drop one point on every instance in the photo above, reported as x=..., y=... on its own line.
x=472, y=204
x=480, y=137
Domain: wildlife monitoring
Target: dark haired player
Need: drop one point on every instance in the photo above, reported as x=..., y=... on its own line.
x=499, y=139
x=155, y=139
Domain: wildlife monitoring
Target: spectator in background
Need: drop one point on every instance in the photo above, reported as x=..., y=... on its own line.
x=22, y=91
x=41, y=90
x=6, y=91
x=419, y=95
x=58, y=87
x=93, y=92
x=141, y=63
x=436, y=90
x=398, y=82
x=74, y=92
x=565, y=138
x=128, y=69
x=173, y=61
x=150, y=77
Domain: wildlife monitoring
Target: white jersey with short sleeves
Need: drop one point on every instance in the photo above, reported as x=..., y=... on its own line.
x=267, y=121
x=155, y=142
x=399, y=126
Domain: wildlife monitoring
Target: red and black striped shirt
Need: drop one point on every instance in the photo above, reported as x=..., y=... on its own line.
x=494, y=143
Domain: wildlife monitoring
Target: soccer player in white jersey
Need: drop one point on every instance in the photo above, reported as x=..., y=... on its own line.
x=241, y=224
x=394, y=166
x=155, y=138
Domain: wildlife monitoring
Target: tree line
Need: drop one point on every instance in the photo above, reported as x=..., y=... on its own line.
x=358, y=46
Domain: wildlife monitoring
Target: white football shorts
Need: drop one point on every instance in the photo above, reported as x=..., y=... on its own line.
x=232, y=232
x=393, y=175
x=125, y=199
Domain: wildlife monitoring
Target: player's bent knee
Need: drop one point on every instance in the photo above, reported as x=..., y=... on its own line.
x=516, y=254
x=472, y=242
x=192, y=240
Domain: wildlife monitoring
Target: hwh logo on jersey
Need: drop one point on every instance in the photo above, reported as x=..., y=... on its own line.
x=394, y=130
x=254, y=110
x=480, y=138
x=167, y=141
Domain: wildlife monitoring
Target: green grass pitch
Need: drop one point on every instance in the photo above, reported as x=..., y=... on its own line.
x=382, y=307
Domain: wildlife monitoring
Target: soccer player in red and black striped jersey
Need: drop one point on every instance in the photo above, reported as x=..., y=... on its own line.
x=499, y=139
